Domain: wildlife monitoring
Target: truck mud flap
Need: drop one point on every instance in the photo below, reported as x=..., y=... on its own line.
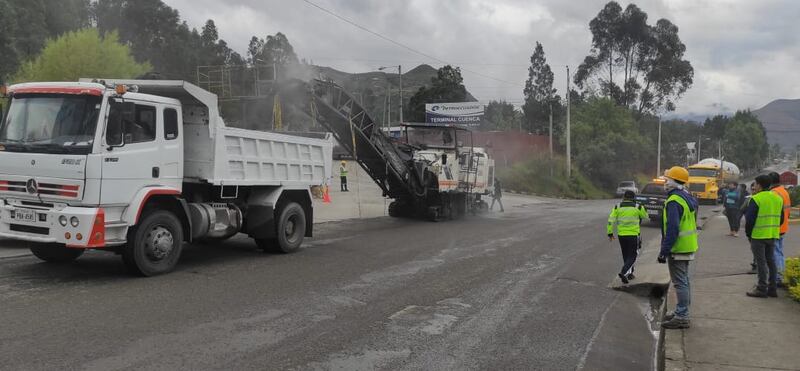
x=260, y=221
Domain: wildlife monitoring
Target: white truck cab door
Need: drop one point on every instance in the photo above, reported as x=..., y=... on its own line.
x=139, y=152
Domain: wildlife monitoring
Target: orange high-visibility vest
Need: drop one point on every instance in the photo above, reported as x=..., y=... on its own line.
x=787, y=206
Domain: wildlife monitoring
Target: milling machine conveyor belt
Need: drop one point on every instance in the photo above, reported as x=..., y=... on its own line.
x=337, y=111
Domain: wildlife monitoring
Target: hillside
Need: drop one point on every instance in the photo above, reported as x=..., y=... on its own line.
x=781, y=118
x=371, y=87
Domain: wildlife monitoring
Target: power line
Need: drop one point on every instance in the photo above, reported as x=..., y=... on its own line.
x=404, y=46
x=414, y=61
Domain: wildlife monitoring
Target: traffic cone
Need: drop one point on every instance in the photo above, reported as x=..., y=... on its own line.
x=326, y=197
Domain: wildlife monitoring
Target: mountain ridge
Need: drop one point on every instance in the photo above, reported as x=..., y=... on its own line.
x=781, y=119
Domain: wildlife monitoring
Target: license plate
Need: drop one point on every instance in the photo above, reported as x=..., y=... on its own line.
x=652, y=212
x=25, y=215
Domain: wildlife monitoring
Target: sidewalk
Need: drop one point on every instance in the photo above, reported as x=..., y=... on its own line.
x=731, y=331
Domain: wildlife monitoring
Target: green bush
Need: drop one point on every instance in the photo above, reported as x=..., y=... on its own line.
x=534, y=176
x=791, y=277
x=794, y=195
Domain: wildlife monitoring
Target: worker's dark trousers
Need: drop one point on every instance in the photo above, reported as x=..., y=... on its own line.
x=734, y=217
x=629, y=245
x=499, y=201
x=344, y=183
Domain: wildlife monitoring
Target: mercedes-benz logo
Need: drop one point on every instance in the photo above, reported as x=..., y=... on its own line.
x=31, y=186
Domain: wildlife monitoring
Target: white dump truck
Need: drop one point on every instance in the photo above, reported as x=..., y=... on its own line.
x=138, y=167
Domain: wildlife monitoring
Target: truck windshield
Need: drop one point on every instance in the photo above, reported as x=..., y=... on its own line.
x=654, y=189
x=708, y=173
x=431, y=137
x=50, y=123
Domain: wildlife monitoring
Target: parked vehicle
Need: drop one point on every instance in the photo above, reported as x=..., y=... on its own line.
x=652, y=197
x=626, y=186
x=137, y=167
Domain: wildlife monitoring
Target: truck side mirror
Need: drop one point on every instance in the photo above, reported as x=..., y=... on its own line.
x=121, y=112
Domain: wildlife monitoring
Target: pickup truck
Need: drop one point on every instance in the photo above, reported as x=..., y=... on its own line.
x=652, y=198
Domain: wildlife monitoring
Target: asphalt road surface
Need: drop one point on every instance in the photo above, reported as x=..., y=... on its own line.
x=524, y=289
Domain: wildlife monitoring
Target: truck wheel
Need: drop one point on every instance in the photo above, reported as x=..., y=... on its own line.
x=53, y=253
x=155, y=245
x=290, y=228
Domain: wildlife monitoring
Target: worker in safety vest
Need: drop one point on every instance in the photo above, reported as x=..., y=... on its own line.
x=627, y=217
x=343, y=175
x=764, y=218
x=678, y=243
x=780, y=263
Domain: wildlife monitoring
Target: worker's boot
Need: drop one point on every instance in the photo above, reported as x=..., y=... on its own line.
x=756, y=293
x=772, y=292
x=676, y=323
x=624, y=278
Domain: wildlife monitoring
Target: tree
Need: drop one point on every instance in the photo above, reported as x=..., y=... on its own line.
x=9, y=57
x=156, y=33
x=79, y=54
x=446, y=87
x=276, y=49
x=540, y=96
x=501, y=115
x=608, y=146
x=635, y=64
x=745, y=142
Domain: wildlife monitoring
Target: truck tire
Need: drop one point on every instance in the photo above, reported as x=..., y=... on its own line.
x=53, y=253
x=155, y=245
x=290, y=228
x=399, y=209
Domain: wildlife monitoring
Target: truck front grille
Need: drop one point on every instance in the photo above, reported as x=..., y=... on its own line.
x=697, y=187
x=29, y=229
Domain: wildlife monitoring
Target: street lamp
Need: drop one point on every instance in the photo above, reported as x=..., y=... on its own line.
x=399, y=73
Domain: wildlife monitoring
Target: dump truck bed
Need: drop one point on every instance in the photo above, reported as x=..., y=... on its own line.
x=220, y=155
x=250, y=157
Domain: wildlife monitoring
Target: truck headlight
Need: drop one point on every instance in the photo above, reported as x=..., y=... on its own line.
x=74, y=221
x=62, y=220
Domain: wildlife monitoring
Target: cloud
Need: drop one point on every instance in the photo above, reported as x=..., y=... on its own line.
x=744, y=52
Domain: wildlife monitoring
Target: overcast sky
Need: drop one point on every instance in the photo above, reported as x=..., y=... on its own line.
x=745, y=53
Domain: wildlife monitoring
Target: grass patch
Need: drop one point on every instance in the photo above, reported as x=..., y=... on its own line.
x=791, y=277
x=547, y=177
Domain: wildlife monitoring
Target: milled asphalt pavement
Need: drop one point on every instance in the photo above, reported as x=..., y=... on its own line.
x=524, y=289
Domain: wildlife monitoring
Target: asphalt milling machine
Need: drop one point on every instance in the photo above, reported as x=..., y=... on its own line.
x=433, y=172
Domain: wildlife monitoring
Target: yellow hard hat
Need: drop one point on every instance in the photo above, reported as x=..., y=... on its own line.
x=344, y=162
x=678, y=174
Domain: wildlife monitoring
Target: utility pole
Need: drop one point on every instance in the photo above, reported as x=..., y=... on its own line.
x=658, y=161
x=699, y=142
x=400, y=73
x=569, y=144
x=551, y=130
x=551, y=138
